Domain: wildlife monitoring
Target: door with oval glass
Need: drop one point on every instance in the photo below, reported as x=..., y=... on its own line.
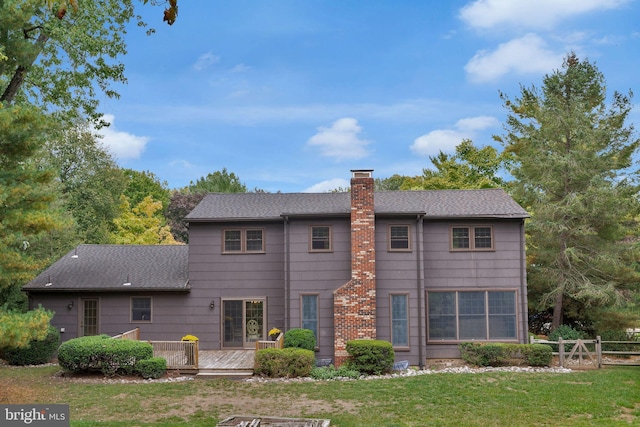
x=242, y=322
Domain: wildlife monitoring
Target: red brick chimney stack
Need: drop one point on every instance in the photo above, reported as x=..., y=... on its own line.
x=354, y=304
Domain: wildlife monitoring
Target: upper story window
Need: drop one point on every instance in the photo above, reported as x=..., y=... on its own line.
x=141, y=309
x=320, y=238
x=399, y=238
x=243, y=240
x=472, y=238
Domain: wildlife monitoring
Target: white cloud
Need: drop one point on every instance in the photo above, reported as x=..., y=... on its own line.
x=476, y=123
x=436, y=141
x=205, y=61
x=525, y=55
x=122, y=145
x=328, y=185
x=185, y=164
x=446, y=140
x=340, y=141
x=528, y=14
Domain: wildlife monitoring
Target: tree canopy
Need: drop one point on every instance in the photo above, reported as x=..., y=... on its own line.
x=571, y=155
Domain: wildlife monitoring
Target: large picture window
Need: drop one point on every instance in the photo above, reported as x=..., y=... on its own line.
x=472, y=238
x=399, y=320
x=141, y=309
x=309, y=313
x=243, y=240
x=472, y=315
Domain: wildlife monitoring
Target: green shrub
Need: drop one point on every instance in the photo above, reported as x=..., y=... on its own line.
x=372, y=357
x=37, y=352
x=537, y=354
x=284, y=363
x=499, y=354
x=151, y=368
x=619, y=336
x=483, y=354
x=300, y=338
x=330, y=372
x=567, y=333
x=104, y=354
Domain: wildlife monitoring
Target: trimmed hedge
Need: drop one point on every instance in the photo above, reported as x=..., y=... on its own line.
x=372, y=357
x=151, y=368
x=499, y=354
x=300, y=338
x=286, y=362
x=36, y=353
x=104, y=354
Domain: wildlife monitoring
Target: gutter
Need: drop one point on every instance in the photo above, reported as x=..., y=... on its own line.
x=287, y=273
x=422, y=344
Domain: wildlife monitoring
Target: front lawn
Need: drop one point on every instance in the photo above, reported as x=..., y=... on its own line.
x=607, y=397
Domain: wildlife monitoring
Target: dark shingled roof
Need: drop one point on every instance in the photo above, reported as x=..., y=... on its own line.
x=485, y=203
x=109, y=267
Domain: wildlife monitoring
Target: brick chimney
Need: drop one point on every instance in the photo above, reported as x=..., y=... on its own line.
x=354, y=304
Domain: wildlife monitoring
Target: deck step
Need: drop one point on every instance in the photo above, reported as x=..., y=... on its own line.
x=213, y=374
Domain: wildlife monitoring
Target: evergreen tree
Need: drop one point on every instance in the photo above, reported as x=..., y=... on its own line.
x=571, y=158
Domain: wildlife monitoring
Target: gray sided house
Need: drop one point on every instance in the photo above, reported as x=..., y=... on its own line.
x=424, y=270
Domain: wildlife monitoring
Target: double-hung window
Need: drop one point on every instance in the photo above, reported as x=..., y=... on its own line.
x=320, y=238
x=400, y=320
x=141, y=309
x=472, y=315
x=478, y=238
x=309, y=313
x=399, y=238
x=243, y=240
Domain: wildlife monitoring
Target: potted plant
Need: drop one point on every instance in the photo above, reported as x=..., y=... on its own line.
x=190, y=350
x=274, y=333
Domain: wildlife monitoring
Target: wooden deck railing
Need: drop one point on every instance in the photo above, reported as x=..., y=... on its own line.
x=178, y=354
x=278, y=343
x=133, y=334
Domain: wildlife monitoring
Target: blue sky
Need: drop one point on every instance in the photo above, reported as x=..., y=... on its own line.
x=291, y=95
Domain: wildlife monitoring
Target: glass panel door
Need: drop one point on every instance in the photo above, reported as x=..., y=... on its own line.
x=242, y=323
x=90, y=317
x=254, y=321
x=232, y=323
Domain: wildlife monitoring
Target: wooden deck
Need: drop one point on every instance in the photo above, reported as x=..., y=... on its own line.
x=225, y=363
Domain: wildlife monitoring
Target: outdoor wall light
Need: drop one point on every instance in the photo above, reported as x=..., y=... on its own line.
x=212, y=304
x=70, y=305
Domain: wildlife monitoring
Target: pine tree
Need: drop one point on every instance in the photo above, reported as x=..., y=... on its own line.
x=571, y=157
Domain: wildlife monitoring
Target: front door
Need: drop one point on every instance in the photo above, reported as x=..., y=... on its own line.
x=90, y=317
x=242, y=322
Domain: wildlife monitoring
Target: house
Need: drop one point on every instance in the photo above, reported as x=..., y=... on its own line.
x=424, y=270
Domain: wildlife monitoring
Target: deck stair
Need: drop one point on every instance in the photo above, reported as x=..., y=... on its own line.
x=232, y=364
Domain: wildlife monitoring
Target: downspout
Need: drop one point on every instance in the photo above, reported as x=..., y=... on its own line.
x=420, y=276
x=523, y=282
x=287, y=274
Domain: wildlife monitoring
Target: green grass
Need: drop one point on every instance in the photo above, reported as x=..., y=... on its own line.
x=607, y=397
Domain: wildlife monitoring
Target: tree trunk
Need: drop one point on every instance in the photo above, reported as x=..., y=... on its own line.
x=557, y=310
x=13, y=87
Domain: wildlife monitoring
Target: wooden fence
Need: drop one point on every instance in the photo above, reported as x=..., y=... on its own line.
x=589, y=352
x=278, y=343
x=133, y=334
x=178, y=354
